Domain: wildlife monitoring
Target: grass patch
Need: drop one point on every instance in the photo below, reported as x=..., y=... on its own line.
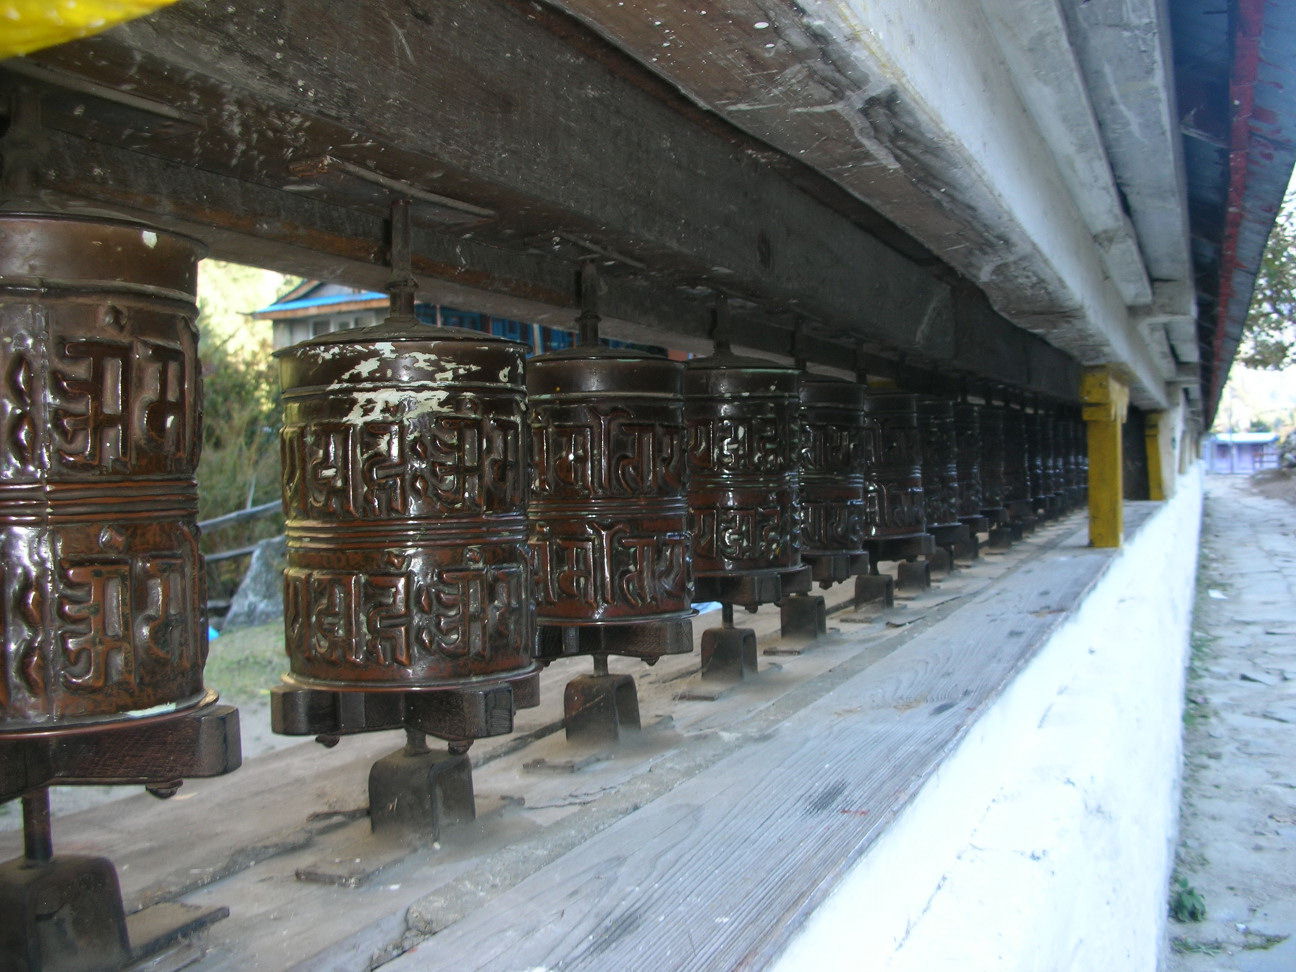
x=1183, y=946
x=244, y=665
x=1258, y=942
x=1186, y=902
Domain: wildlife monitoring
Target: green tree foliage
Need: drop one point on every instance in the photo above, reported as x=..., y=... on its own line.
x=240, y=458
x=1269, y=335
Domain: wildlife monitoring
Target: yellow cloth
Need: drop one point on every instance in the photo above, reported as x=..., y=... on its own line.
x=29, y=25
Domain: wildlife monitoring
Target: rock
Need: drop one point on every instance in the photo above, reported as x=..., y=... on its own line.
x=259, y=597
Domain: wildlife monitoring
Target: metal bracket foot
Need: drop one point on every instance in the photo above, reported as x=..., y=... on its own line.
x=416, y=791
x=874, y=587
x=597, y=707
x=803, y=615
x=728, y=654
x=1001, y=538
x=913, y=575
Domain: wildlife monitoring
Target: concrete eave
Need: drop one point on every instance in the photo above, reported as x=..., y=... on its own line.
x=1122, y=48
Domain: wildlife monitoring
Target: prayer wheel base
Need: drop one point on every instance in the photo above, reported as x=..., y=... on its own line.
x=1023, y=515
x=803, y=616
x=900, y=548
x=156, y=752
x=751, y=590
x=1003, y=537
x=870, y=588
x=976, y=525
x=827, y=569
x=728, y=654
x=913, y=575
x=461, y=713
x=415, y=792
x=950, y=539
x=996, y=515
x=648, y=640
x=596, y=708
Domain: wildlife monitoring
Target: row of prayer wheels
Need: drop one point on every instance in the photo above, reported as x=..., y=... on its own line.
x=454, y=513
x=456, y=516
x=422, y=554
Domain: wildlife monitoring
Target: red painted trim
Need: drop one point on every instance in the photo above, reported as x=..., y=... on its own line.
x=1242, y=81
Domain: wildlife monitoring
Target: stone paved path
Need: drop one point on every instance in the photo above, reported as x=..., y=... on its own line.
x=1238, y=830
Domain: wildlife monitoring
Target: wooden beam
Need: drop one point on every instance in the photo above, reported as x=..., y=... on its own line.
x=527, y=144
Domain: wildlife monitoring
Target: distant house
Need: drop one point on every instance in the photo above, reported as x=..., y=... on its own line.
x=317, y=307
x=1241, y=452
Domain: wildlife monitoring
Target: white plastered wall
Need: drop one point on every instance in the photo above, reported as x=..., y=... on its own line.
x=1045, y=841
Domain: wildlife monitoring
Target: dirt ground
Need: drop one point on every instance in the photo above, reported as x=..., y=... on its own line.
x=1276, y=484
x=1236, y=862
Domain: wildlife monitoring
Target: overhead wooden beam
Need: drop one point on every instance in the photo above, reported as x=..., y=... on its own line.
x=280, y=140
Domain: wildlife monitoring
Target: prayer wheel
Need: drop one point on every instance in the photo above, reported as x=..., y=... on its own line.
x=404, y=493
x=1040, y=471
x=898, y=460
x=833, y=490
x=1051, y=458
x=742, y=417
x=1019, y=482
x=940, y=480
x=992, y=460
x=608, y=512
x=968, y=444
x=1080, y=438
x=102, y=599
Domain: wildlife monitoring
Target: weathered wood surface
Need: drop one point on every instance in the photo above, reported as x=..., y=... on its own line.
x=513, y=109
x=238, y=841
x=721, y=871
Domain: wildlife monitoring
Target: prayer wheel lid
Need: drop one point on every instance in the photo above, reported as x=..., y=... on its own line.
x=723, y=360
x=585, y=352
x=599, y=370
x=396, y=330
x=101, y=219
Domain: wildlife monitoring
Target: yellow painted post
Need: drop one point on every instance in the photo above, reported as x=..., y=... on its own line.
x=1106, y=402
x=1154, y=432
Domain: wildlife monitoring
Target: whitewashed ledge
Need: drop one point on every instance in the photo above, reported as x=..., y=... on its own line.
x=987, y=786
x=998, y=793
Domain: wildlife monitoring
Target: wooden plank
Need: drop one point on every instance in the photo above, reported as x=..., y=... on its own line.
x=244, y=836
x=511, y=110
x=720, y=871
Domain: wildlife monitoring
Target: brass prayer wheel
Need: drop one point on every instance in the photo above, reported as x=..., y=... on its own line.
x=898, y=460
x=1080, y=449
x=1019, y=483
x=940, y=480
x=608, y=512
x=992, y=458
x=968, y=454
x=1041, y=494
x=404, y=492
x=833, y=452
x=742, y=417
x=102, y=600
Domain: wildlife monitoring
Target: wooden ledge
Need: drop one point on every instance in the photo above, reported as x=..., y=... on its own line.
x=703, y=842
